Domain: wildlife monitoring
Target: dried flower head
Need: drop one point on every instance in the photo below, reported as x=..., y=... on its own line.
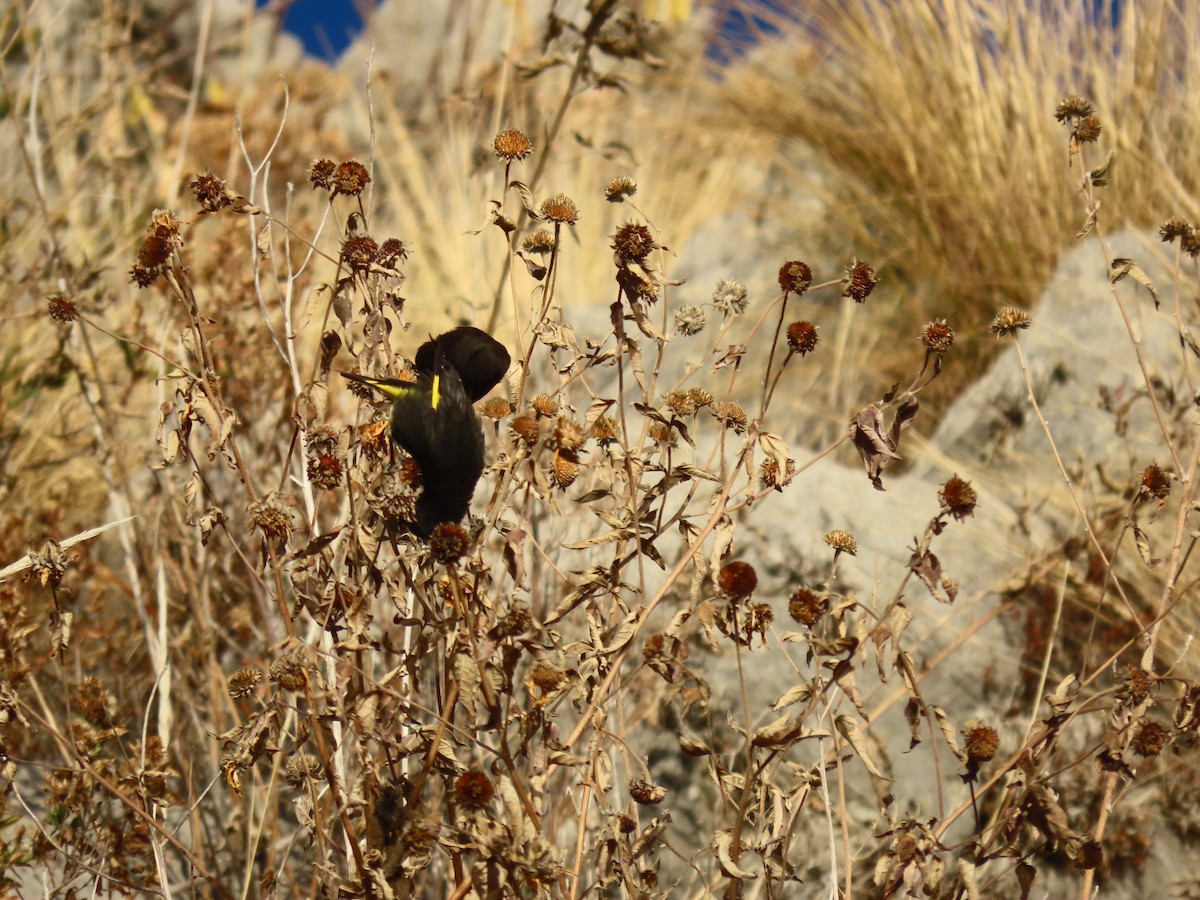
x=210, y=193
x=448, y=543
x=544, y=405
x=1155, y=482
x=62, y=308
x=737, y=579
x=759, y=618
x=564, y=469
x=680, y=403
x=842, y=541
x=539, y=241
x=1009, y=320
x=569, y=435
x=633, y=243
x=359, y=253
x=515, y=623
x=325, y=471
x=730, y=297
x=526, y=429
x=769, y=475
x=604, y=430
x=496, y=408
x=937, y=336
x=620, y=188
x=647, y=793
x=1150, y=739
x=320, y=173
x=860, y=280
x=546, y=677
x=982, y=743
x=1173, y=228
x=1090, y=855
x=958, y=498
x=473, y=790
x=1073, y=107
x=561, y=209
x=272, y=515
x=392, y=253
x=700, y=397
x=731, y=414
x=1190, y=243
x=1138, y=683
x=511, y=144
x=806, y=607
x=794, y=277
x=662, y=433
x=690, y=320
x=351, y=178
x=243, y=682
x=802, y=337
x=288, y=672
x=301, y=767
x=1087, y=130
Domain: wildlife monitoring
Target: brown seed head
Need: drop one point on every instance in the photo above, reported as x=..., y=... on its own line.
x=690, y=320
x=473, y=790
x=1190, y=243
x=568, y=435
x=1138, y=683
x=547, y=678
x=272, y=516
x=496, y=408
x=564, y=469
x=619, y=188
x=210, y=193
x=359, y=253
x=795, y=277
x=449, y=543
x=737, y=579
x=288, y=672
x=842, y=542
x=351, y=178
x=981, y=744
x=730, y=297
x=647, y=793
x=806, y=607
x=769, y=475
x=526, y=429
x=320, y=173
x=392, y=253
x=1150, y=739
x=243, y=682
x=1173, y=228
x=662, y=433
x=514, y=624
x=860, y=280
x=325, y=471
x=730, y=414
x=1009, y=320
x=1090, y=855
x=1155, y=482
x=802, y=337
x=539, y=241
x=512, y=144
x=62, y=308
x=700, y=397
x=680, y=403
x=938, y=337
x=604, y=430
x=561, y=209
x=544, y=405
x=1087, y=130
x=958, y=498
x=300, y=768
x=633, y=242
x=1073, y=107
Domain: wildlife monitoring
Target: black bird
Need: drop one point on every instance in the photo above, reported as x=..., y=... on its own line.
x=479, y=358
x=434, y=421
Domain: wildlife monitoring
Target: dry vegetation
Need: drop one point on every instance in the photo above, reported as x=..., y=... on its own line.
x=256, y=682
